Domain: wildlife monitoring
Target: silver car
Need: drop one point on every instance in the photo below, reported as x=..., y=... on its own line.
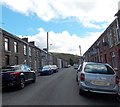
x=54, y=68
x=97, y=77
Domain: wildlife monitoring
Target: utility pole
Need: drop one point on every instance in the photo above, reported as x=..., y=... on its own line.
x=80, y=50
x=80, y=59
x=47, y=48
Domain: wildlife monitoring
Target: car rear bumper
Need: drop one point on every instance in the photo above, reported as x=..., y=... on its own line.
x=99, y=90
x=46, y=73
x=10, y=82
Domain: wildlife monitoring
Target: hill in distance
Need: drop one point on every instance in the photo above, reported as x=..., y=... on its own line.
x=70, y=58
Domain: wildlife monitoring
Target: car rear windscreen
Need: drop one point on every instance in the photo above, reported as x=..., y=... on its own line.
x=98, y=68
x=10, y=69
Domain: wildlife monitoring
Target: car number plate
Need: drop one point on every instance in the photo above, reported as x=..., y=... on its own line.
x=100, y=83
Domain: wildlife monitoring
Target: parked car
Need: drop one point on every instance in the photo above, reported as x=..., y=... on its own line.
x=17, y=75
x=77, y=72
x=67, y=66
x=97, y=77
x=54, y=68
x=46, y=70
x=76, y=66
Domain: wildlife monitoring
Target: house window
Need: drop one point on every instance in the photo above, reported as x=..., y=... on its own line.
x=118, y=30
x=36, y=53
x=35, y=65
x=30, y=62
x=16, y=60
x=7, y=60
x=25, y=61
x=15, y=47
x=110, y=38
x=118, y=34
x=6, y=44
x=25, y=50
x=113, y=59
x=105, y=56
x=103, y=39
x=29, y=51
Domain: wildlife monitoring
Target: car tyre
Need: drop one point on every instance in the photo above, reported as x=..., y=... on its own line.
x=81, y=92
x=34, y=79
x=22, y=83
x=76, y=79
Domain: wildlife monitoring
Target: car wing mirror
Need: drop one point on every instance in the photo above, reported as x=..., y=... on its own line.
x=115, y=69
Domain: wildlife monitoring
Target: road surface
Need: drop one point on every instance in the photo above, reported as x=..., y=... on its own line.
x=56, y=89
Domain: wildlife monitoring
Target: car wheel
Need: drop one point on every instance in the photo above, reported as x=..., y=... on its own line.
x=76, y=79
x=81, y=92
x=51, y=72
x=22, y=83
x=34, y=79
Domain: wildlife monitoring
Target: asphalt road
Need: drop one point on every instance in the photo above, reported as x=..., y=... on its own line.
x=56, y=89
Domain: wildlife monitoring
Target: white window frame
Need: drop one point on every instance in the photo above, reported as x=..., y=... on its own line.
x=118, y=31
x=15, y=47
x=25, y=50
x=6, y=44
x=30, y=51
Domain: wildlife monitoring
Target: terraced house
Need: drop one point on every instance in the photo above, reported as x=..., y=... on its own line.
x=15, y=50
x=107, y=47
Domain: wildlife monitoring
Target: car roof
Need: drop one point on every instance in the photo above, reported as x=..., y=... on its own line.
x=9, y=67
x=95, y=63
x=46, y=65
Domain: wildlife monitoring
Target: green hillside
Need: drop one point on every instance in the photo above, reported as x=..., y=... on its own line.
x=70, y=58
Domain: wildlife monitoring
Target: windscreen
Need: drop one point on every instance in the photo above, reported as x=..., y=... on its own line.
x=46, y=67
x=98, y=68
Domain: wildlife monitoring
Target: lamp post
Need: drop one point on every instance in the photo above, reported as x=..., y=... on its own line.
x=47, y=48
x=81, y=58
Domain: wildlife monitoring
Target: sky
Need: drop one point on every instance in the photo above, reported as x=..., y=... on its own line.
x=69, y=23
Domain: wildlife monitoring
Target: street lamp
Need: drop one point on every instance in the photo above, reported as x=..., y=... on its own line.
x=81, y=57
x=47, y=48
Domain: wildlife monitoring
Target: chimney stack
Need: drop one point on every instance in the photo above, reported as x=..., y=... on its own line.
x=25, y=39
x=32, y=43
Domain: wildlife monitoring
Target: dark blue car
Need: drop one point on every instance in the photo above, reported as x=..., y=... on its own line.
x=46, y=70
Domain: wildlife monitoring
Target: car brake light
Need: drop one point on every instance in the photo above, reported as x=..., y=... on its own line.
x=82, y=77
x=15, y=73
x=117, y=80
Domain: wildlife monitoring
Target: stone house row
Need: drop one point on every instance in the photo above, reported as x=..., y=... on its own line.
x=15, y=50
x=107, y=47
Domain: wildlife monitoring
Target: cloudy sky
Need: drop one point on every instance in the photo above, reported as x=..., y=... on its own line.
x=70, y=23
